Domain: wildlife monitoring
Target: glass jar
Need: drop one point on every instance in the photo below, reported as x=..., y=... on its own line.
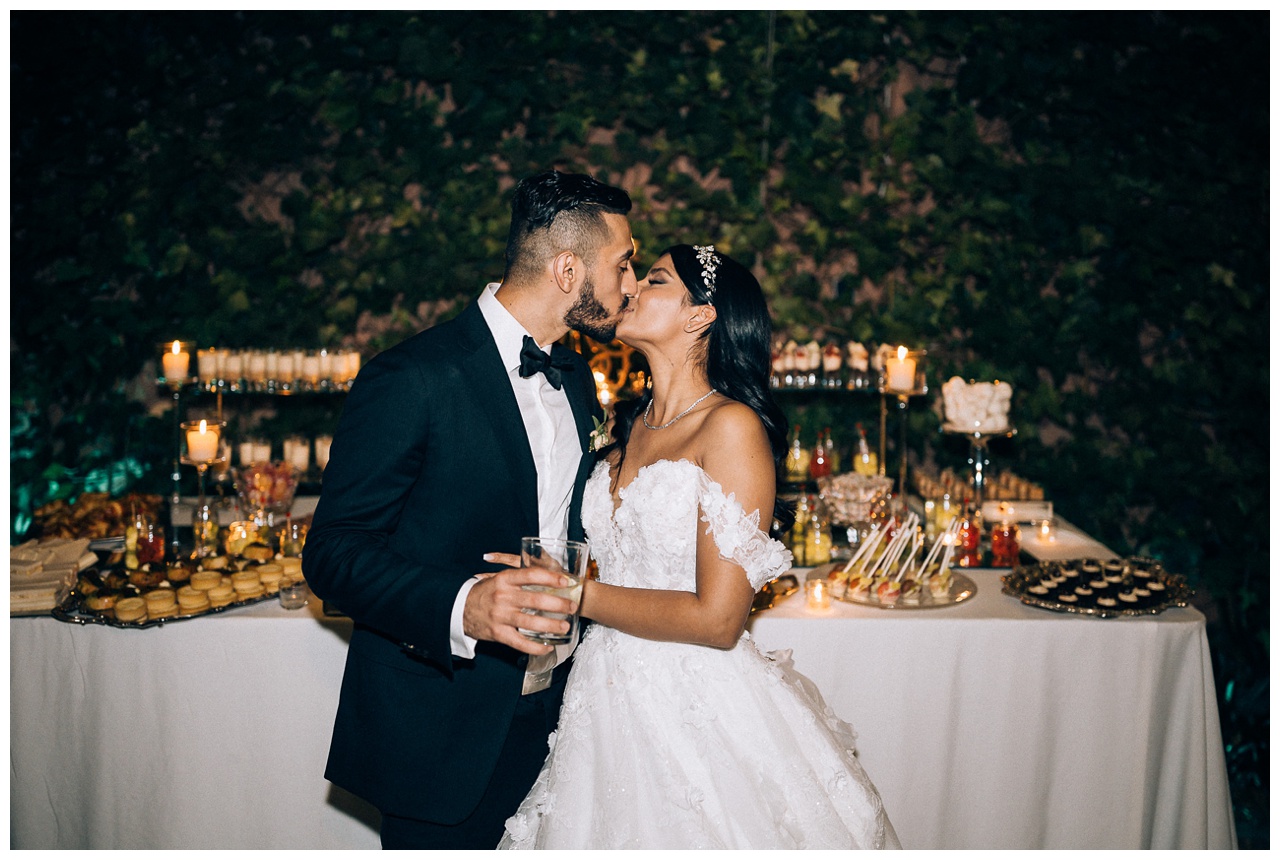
x=1004, y=544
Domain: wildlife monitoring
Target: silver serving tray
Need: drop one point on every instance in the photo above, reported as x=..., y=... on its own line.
x=1016, y=583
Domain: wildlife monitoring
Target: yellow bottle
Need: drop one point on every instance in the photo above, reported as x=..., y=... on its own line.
x=865, y=462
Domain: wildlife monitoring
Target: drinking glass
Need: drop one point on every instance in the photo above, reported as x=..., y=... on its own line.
x=567, y=557
x=293, y=591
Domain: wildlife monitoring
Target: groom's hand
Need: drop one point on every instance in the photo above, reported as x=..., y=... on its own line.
x=497, y=604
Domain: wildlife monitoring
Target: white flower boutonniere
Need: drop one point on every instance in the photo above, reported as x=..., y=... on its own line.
x=599, y=436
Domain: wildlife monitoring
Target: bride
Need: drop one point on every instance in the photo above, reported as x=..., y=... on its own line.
x=676, y=732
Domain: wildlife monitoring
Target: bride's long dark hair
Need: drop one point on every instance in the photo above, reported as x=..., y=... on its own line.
x=735, y=350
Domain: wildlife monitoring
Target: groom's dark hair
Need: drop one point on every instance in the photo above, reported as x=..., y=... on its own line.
x=553, y=212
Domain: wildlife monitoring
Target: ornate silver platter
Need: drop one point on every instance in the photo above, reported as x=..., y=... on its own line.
x=962, y=588
x=1112, y=588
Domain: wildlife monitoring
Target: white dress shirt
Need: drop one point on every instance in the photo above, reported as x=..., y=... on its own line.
x=553, y=441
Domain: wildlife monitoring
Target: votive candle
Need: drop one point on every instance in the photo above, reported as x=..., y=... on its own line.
x=202, y=442
x=322, y=450
x=177, y=363
x=900, y=372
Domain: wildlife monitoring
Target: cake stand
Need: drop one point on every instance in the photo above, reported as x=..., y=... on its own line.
x=978, y=458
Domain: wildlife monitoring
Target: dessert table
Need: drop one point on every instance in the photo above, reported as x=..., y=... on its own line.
x=988, y=724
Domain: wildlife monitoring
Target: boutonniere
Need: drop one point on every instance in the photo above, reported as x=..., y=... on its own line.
x=599, y=437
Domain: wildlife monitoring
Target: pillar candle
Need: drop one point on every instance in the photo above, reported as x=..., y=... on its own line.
x=262, y=452
x=300, y=456
x=247, y=452
x=900, y=372
x=207, y=364
x=177, y=363
x=202, y=443
x=322, y=450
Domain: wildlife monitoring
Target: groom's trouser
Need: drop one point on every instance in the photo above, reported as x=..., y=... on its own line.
x=518, y=765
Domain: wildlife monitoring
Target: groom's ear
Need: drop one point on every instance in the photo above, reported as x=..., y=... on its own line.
x=566, y=269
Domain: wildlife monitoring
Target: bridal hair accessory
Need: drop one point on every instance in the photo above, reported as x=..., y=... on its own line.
x=645, y=417
x=708, y=259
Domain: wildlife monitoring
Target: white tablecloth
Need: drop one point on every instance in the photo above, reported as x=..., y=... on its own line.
x=991, y=724
x=985, y=725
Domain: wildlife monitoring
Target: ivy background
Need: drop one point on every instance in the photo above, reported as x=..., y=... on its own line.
x=1073, y=202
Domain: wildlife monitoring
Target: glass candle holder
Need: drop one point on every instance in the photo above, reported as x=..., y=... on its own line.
x=175, y=363
x=817, y=594
x=1046, y=532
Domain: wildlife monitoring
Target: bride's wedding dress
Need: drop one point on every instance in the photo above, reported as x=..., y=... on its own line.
x=670, y=745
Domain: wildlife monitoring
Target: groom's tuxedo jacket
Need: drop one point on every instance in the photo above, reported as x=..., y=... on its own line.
x=430, y=468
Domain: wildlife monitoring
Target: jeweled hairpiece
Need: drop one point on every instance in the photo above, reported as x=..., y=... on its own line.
x=708, y=260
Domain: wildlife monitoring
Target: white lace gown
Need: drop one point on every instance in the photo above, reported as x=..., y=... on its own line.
x=670, y=745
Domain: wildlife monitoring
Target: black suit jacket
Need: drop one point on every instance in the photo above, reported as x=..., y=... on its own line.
x=430, y=468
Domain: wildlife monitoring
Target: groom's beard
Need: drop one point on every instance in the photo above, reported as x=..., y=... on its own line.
x=590, y=317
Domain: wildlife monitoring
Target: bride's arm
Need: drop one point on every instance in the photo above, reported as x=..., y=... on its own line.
x=735, y=455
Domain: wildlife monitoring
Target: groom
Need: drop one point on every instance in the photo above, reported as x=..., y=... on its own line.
x=454, y=443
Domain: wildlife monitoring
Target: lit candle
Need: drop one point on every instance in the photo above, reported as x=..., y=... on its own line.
x=177, y=363
x=256, y=366
x=300, y=456
x=247, y=450
x=262, y=452
x=311, y=369
x=1045, y=532
x=900, y=372
x=817, y=594
x=207, y=364
x=202, y=443
x=322, y=450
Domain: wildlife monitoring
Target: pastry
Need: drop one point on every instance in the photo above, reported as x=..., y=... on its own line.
x=130, y=609
x=214, y=562
x=101, y=601
x=191, y=601
x=257, y=552
x=221, y=595
x=203, y=580
x=179, y=571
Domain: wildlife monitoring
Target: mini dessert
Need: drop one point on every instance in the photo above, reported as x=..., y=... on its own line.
x=221, y=595
x=203, y=580
x=292, y=563
x=1067, y=597
x=250, y=592
x=257, y=552
x=270, y=575
x=101, y=601
x=940, y=586
x=1113, y=571
x=861, y=586
x=191, y=601
x=1038, y=590
x=214, y=562
x=1106, y=603
x=244, y=577
x=130, y=609
x=1128, y=597
x=1083, y=591
x=911, y=591
x=161, y=603
x=145, y=577
x=179, y=571
x=888, y=592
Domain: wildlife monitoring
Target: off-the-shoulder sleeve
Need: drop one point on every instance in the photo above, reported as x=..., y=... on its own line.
x=738, y=535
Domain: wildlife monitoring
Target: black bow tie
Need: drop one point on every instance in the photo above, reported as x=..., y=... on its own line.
x=534, y=360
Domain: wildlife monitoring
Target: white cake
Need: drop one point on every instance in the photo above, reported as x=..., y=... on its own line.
x=976, y=407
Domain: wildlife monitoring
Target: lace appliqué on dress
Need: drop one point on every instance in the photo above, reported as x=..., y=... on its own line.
x=738, y=535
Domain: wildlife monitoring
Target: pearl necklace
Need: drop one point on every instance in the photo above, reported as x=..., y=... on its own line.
x=647, y=409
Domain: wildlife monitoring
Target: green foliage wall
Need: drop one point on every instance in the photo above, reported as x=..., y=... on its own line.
x=1077, y=203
